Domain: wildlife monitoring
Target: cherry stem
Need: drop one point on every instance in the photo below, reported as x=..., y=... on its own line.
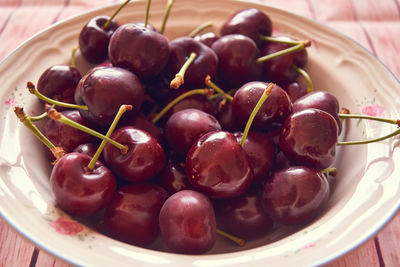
x=279, y=40
x=39, y=117
x=178, y=99
x=216, y=88
x=55, y=115
x=146, y=19
x=370, y=140
x=73, y=53
x=300, y=46
x=32, y=89
x=235, y=239
x=366, y=117
x=179, y=77
x=253, y=114
x=310, y=87
x=121, y=111
x=170, y=3
x=200, y=28
x=105, y=26
x=332, y=171
x=58, y=152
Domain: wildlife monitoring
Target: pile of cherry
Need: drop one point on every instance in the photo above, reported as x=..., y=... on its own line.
x=149, y=140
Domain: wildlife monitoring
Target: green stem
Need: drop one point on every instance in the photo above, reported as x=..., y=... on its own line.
x=331, y=170
x=310, y=87
x=105, y=26
x=96, y=156
x=39, y=117
x=279, y=40
x=253, y=114
x=146, y=19
x=170, y=3
x=366, y=117
x=178, y=99
x=286, y=51
x=179, y=77
x=55, y=115
x=235, y=239
x=370, y=140
x=32, y=89
x=73, y=53
x=200, y=28
x=216, y=88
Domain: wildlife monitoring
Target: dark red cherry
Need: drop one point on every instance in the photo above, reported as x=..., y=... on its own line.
x=88, y=149
x=94, y=40
x=132, y=215
x=207, y=38
x=59, y=82
x=227, y=119
x=309, y=138
x=274, y=110
x=140, y=121
x=141, y=50
x=205, y=63
x=187, y=222
x=295, y=90
x=173, y=177
x=320, y=100
x=260, y=150
x=78, y=190
x=243, y=216
x=145, y=157
x=104, y=89
x=237, y=56
x=185, y=127
x=295, y=195
x=250, y=22
x=218, y=166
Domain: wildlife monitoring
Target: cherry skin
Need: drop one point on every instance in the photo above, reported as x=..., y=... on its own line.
x=207, y=38
x=249, y=22
x=89, y=149
x=205, y=63
x=261, y=152
x=183, y=128
x=295, y=195
x=145, y=157
x=309, y=138
x=244, y=215
x=140, y=121
x=295, y=90
x=132, y=215
x=104, y=89
x=227, y=119
x=320, y=100
x=59, y=82
x=94, y=40
x=187, y=222
x=218, y=166
x=237, y=56
x=173, y=177
x=79, y=191
x=274, y=110
x=139, y=49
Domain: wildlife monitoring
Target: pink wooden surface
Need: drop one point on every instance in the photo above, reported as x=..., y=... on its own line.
x=375, y=24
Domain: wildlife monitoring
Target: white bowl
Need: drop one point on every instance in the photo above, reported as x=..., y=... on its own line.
x=365, y=198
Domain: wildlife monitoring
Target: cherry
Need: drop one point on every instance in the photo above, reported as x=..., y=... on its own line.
x=183, y=128
x=226, y=118
x=187, y=222
x=104, y=89
x=261, y=152
x=205, y=63
x=145, y=157
x=139, y=49
x=320, y=100
x=88, y=149
x=244, y=215
x=133, y=213
x=295, y=90
x=274, y=111
x=173, y=177
x=140, y=121
x=237, y=56
x=309, y=137
x=78, y=190
x=295, y=195
x=249, y=22
x=207, y=38
x=218, y=166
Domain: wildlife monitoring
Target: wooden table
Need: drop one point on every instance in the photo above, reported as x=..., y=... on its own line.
x=375, y=24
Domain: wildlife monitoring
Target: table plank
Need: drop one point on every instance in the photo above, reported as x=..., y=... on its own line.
x=389, y=242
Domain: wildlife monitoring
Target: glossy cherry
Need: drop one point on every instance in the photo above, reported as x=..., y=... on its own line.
x=145, y=157
x=207, y=38
x=309, y=138
x=187, y=222
x=133, y=213
x=295, y=195
x=218, y=166
x=140, y=121
x=185, y=127
x=295, y=90
x=80, y=191
x=173, y=177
